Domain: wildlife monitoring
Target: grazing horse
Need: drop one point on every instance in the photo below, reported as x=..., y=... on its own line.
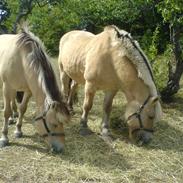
x=25, y=66
x=110, y=61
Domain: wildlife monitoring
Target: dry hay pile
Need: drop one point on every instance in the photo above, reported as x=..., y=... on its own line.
x=90, y=159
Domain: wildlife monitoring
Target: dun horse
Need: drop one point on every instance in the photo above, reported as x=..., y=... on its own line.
x=25, y=66
x=110, y=61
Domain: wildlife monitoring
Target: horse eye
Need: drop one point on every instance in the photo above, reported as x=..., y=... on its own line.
x=55, y=126
x=151, y=117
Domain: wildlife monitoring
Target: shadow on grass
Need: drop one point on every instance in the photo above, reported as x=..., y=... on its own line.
x=30, y=147
x=166, y=138
x=174, y=103
x=37, y=145
x=92, y=150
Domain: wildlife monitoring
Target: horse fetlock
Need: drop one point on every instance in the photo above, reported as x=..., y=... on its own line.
x=15, y=114
x=11, y=121
x=105, y=131
x=83, y=123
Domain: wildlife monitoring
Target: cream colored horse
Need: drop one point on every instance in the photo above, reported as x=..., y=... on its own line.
x=110, y=61
x=25, y=66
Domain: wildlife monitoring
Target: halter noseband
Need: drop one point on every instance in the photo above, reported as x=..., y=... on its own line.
x=138, y=116
x=49, y=133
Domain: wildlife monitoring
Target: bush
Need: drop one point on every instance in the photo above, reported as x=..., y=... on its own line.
x=161, y=68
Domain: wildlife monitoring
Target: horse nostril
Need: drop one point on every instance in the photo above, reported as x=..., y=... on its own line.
x=57, y=148
x=144, y=138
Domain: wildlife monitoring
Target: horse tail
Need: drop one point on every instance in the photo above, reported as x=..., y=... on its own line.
x=40, y=62
x=19, y=96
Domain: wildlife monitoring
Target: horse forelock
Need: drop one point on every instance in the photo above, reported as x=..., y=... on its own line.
x=132, y=50
x=39, y=61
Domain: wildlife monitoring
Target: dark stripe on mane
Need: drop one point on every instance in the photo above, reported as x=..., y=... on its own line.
x=140, y=52
x=142, y=55
x=42, y=64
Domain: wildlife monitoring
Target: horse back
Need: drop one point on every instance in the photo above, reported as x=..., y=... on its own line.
x=11, y=68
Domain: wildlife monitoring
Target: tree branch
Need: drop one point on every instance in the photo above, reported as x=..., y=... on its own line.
x=25, y=9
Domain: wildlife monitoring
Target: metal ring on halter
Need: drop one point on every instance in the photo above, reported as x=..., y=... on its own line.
x=138, y=116
x=49, y=133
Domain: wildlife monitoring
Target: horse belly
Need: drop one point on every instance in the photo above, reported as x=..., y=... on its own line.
x=12, y=73
x=102, y=78
x=75, y=70
x=101, y=72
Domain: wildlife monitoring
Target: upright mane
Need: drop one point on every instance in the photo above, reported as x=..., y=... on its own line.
x=39, y=60
x=132, y=50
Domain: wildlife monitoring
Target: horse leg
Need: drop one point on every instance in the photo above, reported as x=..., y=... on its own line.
x=15, y=113
x=107, y=106
x=7, y=113
x=14, y=108
x=22, y=109
x=73, y=89
x=65, y=81
x=87, y=105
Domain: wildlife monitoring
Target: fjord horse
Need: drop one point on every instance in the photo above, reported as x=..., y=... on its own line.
x=25, y=66
x=110, y=61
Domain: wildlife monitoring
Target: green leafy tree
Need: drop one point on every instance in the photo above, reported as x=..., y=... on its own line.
x=172, y=12
x=148, y=22
x=4, y=14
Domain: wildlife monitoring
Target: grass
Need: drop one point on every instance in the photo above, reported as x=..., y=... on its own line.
x=90, y=159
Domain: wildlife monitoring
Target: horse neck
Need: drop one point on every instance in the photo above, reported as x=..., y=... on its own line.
x=37, y=88
x=39, y=96
x=138, y=91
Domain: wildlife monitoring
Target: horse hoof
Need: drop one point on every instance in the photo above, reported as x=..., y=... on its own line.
x=85, y=131
x=18, y=134
x=3, y=143
x=11, y=121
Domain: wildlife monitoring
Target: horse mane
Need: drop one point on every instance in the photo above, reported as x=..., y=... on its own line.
x=39, y=61
x=132, y=50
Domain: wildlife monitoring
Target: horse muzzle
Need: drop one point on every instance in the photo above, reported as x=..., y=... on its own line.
x=143, y=137
x=57, y=147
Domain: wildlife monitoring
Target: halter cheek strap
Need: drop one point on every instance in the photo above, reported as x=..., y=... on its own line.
x=138, y=116
x=49, y=133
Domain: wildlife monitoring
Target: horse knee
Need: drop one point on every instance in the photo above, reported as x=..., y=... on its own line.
x=7, y=113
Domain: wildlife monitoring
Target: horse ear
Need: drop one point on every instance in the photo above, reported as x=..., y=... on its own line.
x=154, y=100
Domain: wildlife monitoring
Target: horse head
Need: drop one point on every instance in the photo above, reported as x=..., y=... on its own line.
x=50, y=125
x=140, y=120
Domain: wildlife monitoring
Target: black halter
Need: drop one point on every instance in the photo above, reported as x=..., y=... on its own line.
x=49, y=133
x=138, y=116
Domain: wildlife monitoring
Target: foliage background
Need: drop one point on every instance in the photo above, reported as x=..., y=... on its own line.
x=147, y=20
